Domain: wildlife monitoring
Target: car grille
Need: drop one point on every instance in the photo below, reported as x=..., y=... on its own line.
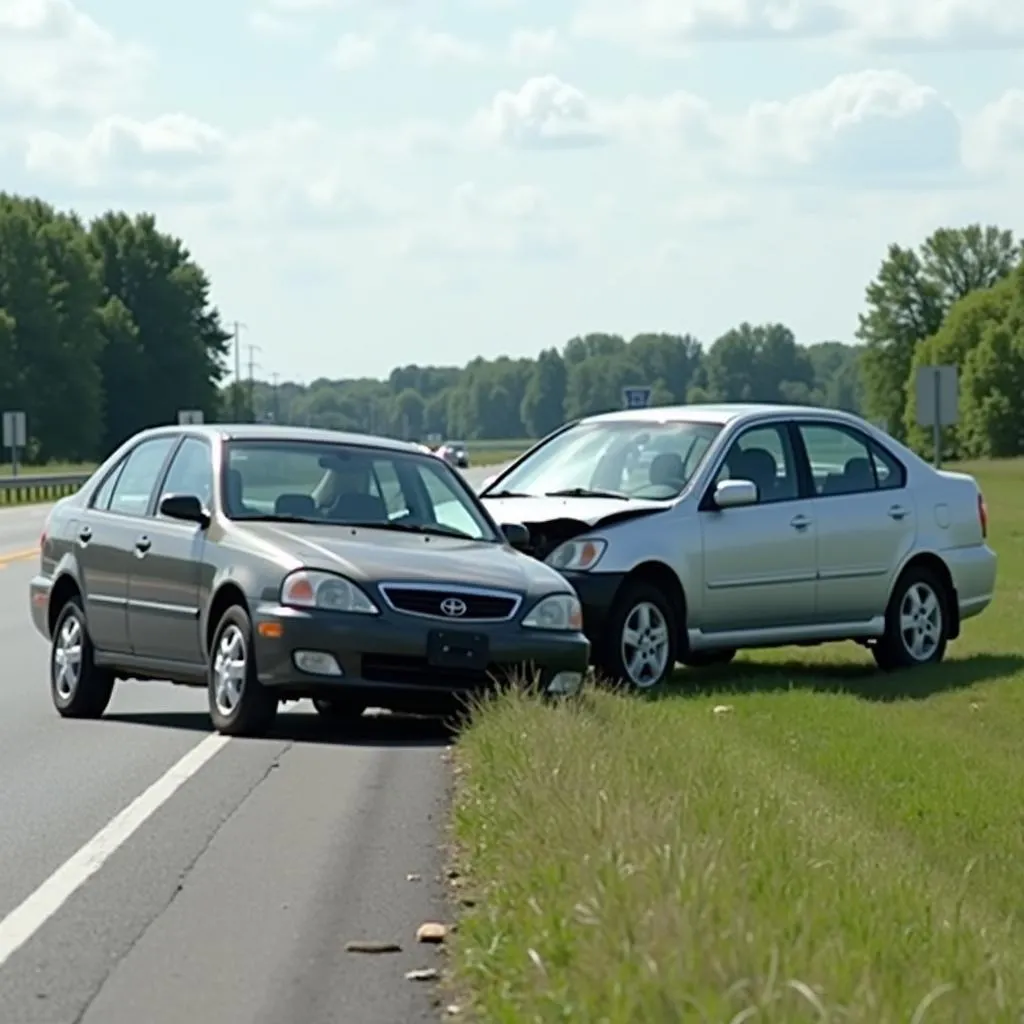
x=480, y=606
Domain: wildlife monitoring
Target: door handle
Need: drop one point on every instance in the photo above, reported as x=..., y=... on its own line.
x=800, y=522
x=84, y=535
x=898, y=512
x=142, y=545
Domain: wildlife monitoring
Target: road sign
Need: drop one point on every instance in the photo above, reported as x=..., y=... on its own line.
x=937, y=390
x=636, y=397
x=190, y=417
x=14, y=429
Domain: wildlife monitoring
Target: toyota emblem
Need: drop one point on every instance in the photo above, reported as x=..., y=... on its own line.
x=453, y=607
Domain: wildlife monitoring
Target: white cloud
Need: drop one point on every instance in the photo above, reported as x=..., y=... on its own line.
x=163, y=149
x=54, y=57
x=872, y=24
x=443, y=48
x=994, y=143
x=877, y=127
x=352, y=52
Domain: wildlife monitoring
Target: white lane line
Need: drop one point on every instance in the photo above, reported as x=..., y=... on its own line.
x=25, y=920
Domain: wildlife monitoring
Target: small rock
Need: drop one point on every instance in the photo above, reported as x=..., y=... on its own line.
x=468, y=901
x=423, y=974
x=413, y=878
x=431, y=931
x=362, y=946
x=452, y=1010
x=721, y=709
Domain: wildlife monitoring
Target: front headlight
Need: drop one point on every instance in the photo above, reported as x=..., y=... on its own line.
x=558, y=612
x=577, y=555
x=308, y=588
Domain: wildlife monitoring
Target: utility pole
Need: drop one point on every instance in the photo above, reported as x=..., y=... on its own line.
x=253, y=349
x=276, y=383
x=236, y=404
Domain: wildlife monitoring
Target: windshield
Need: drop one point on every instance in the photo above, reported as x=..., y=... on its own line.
x=296, y=481
x=631, y=459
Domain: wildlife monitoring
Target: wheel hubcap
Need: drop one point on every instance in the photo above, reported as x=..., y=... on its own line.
x=67, y=658
x=921, y=621
x=229, y=670
x=645, y=646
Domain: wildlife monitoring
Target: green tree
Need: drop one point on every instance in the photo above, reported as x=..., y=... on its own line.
x=908, y=300
x=543, y=407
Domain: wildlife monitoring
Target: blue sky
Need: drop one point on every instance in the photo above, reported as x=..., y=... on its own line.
x=378, y=182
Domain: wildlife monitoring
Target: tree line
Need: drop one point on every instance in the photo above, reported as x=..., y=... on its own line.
x=107, y=327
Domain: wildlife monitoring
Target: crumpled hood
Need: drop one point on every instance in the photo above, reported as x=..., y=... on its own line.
x=368, y=555
x=545, y=510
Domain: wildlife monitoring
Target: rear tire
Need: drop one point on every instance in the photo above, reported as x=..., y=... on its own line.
x=916, y=622
x=640, y=642
x=78, y=688
x=239, y=704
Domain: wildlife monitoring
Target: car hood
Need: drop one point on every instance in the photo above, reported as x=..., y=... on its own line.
x=589, y=511
x=369, y=555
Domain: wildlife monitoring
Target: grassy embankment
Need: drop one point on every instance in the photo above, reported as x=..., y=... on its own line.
x=793, y=838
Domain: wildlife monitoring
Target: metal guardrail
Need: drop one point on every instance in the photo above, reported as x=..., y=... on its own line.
x=26, y=489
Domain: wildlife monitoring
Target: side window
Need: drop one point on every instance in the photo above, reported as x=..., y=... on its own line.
x=841, y=461
x=888, y=472
x=449, y=508
x=390, y=488
x=138, y=479
x=101, y=499
x=764, y=456
x=191, y=471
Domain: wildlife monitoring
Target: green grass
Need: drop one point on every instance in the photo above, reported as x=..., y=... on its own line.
x=495, y=453
x=50, y=467
x=835, y=845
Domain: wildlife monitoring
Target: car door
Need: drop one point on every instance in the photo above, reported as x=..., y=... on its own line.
x=759, y=560
x=104, y=535
x=866, y=519
x=167, y=564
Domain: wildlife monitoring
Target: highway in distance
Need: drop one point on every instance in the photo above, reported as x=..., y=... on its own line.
x=153, y=871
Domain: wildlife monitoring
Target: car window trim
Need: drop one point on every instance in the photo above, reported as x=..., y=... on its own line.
x=114, y=474
x=152, y=510
x=161, y=473
x=870, y=446
x=783, y=426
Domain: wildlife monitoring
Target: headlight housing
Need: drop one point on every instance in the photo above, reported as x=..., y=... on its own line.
x=577, y=555
x=559, y=612
x=309, y=588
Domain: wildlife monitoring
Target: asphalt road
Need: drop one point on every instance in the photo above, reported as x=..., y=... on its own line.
x=150, y=871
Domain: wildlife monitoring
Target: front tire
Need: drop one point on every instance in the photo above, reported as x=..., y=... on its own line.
x=78, y=688
x=640, y=647
x=916, y=622
x=239, y=704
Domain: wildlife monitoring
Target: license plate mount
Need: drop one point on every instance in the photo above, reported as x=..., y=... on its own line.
x=458, y=649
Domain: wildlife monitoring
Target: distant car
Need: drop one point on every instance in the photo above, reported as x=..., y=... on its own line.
x=276, y=563
x=455, y=454
x=733, y=535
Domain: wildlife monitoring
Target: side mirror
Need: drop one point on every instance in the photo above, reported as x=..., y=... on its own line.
x=516, y=534
x=186, y=507
x=735, y=494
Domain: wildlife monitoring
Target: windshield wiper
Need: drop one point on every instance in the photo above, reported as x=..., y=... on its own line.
x=435, y=529
x=585, y=492
x=509, y=494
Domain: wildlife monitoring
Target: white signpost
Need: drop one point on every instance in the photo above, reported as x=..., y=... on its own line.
x=15, y=436
x=937, y=391
x=636, y=397
x=190, y=417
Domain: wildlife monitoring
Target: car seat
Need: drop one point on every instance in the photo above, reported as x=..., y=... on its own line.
x=359, y=508
x=668, y=470
x=759, y=466
x=295, y=505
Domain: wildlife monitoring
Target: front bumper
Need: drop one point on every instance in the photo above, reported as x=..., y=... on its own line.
x=597, y=592
x=384, y=660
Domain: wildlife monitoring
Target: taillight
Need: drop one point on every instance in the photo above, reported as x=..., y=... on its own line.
x=983, y=516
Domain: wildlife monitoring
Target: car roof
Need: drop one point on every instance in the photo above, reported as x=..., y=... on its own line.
x=720, y=413
x=283, y=432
